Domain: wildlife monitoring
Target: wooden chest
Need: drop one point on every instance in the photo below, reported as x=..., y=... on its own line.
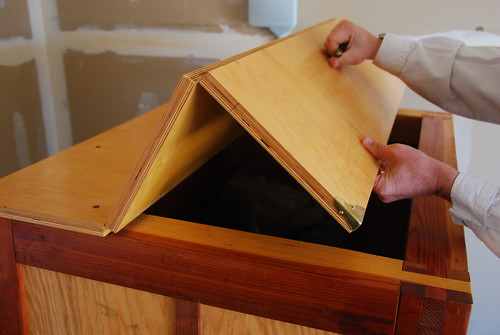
x=238, y=247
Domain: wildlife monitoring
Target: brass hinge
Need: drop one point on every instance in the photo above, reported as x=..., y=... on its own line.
x=353, y=214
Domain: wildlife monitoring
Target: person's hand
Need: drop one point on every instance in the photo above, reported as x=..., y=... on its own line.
x=406, y=172
x=361, y=44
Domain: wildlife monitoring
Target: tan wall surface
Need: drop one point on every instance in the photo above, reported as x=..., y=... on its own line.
x=404, y=17
x=14, y=19
x=105, y=89
x=21, y=122
x=109, y=14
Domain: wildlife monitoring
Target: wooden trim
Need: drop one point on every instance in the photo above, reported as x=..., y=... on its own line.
x=187, y=317
x=12, y=302
x=342, y=301
x=428, y=310
x=436, y=246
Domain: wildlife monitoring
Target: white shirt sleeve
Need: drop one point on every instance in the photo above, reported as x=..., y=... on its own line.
x=476, y=205
x=460, y=79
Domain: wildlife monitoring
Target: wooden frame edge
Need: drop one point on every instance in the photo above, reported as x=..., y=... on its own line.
x=13, y=316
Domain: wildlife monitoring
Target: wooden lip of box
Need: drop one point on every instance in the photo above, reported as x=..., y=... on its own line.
x=317, y=286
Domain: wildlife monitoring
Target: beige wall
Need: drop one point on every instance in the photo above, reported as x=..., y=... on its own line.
x=110, y=14
x=14, y=19
x=107, y=89
x=100, y=63
x=20, y=117
x=404, y=16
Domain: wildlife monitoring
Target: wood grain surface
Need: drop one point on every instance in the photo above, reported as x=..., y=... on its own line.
x=428, y=310
x=12, y=302
x=310, y=117
x=307, y=115
x=437, y=249
x=63, y=304
x=78, y=188
x=193, y=128
x=218, y=321
x=187, y=317
x=328, y=298
x=289, y=281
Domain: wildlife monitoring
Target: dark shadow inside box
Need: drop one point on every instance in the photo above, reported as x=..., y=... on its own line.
x=244, y=188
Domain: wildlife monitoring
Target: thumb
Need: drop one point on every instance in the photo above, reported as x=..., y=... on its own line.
x=373, y=147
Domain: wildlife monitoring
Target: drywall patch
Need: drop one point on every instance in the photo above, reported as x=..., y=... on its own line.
x=147, y=101
x=107, y=89
x=15, y=51
x=110, y=14
x=21, y=121
x=21, y=139
x=164, y=42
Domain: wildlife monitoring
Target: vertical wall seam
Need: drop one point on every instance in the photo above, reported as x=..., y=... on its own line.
x=48, y=53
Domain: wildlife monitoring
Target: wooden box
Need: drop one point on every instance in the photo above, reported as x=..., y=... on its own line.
x=174, y=269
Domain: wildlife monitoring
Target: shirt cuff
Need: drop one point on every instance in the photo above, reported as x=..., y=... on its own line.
x=393, y=53
x=471, y=199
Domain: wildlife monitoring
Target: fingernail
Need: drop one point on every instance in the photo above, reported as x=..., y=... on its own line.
x=367, y=140
x=334, y=63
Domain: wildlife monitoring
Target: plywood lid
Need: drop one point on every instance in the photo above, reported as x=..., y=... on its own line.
x=308, y=116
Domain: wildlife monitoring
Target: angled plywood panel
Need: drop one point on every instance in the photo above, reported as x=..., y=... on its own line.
x=310, y=117
x=192, y=130
x=307, y=115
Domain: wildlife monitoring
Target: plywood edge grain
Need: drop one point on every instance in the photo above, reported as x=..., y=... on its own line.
x=75, y=225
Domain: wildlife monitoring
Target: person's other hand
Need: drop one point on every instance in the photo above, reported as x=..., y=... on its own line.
x=406, y=172
x=361, y=44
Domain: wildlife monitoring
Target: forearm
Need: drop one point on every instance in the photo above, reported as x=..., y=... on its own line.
x=445, y=177
x=476, y=205
x=461, y=80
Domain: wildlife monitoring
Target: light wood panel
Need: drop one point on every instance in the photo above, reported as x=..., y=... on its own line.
x=193, y=128
x=218, y=321
x=78, y=188
x=324, y=297
x=307, y=115
x=58, y=303
x=310, y=117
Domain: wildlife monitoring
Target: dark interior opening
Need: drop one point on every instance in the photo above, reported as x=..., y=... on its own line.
x=244, y=188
